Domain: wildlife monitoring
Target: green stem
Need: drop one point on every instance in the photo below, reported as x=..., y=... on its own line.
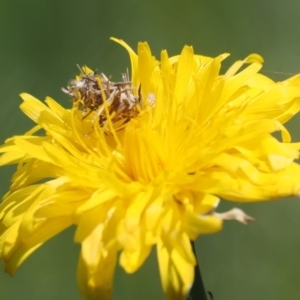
x=197, y=291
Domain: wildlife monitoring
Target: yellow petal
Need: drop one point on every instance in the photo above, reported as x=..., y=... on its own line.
x=96, y=268
x=176, y=274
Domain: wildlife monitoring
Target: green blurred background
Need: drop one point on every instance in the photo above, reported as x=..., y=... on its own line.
x=41, y=41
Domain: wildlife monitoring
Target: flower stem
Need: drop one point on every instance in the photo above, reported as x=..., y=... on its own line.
x=197, y=291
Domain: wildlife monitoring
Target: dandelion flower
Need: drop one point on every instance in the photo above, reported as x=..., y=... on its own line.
x=143, y=162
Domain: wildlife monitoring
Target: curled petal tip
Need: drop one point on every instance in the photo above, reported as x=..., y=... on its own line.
x=254, y=58
x=235, y=214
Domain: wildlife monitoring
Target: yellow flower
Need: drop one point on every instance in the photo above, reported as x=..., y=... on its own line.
x=143, y=163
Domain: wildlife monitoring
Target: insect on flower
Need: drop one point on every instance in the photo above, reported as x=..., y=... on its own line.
x=92, y=92
x=152, y=168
